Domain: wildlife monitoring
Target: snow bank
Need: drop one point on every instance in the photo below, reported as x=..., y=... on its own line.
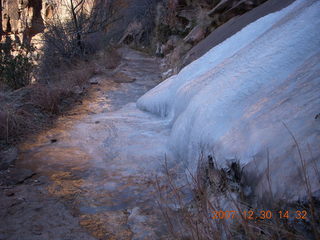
x=237, y=99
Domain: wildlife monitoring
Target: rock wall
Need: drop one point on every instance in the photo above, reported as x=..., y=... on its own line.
x=25, y=20
x=22, y=19
x=1, y=31
x=170, y=27
x=183, y=24
x=232, y=27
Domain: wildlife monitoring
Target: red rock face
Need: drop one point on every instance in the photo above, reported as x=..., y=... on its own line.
x=10, y=16
x=37, y=24
x=21, y=19
x=1, y=31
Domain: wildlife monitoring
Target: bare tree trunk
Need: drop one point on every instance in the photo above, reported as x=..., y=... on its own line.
x=76, y=24
x=1, y=31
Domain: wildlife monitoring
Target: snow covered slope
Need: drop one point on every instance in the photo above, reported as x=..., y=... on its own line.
x=237, y=99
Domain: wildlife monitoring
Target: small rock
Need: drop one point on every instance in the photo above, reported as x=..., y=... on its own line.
x=38, y=209
x=9, y=193
x=17, y=201
x=78, y=90
x=167, y=74
x=172, y=42
x=37, y=229
x=94, y=80
x=196, y=35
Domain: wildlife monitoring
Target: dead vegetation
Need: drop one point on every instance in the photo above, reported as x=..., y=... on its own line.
x=72, y=52
x=13, y=122
x=29, y=109
x=219, y=203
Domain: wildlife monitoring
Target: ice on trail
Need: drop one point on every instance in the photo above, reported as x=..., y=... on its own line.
x=244, y=97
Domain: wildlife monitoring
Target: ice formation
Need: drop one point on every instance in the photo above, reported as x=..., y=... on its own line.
x=241, y=99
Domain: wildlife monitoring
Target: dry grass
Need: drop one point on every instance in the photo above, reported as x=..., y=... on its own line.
x=24, y=111
x=214, y=190
x=49, y=96
x=306, y=180
x=14, y=123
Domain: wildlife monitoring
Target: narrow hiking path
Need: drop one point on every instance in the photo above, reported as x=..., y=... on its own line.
x=97, y=165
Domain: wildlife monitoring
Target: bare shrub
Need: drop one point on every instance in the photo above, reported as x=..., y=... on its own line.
x=66, y=41
x=186, y=219
x=197, y=209
x=48, y=96
x=14, y=123
x=73, y=51
x=21, y=113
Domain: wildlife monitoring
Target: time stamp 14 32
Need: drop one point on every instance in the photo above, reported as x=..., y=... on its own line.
x=260, y=214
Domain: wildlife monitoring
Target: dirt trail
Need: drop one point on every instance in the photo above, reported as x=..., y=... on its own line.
x=94, y=171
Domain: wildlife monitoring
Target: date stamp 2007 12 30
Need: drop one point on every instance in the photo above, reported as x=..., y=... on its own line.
x=260, y=214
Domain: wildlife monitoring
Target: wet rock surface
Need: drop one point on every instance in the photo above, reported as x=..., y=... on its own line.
x=8, y=158
x=27, y=212
x=15, y=176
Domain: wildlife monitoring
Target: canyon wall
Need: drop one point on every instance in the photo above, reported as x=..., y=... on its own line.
x=169, y=28
x=24, y=20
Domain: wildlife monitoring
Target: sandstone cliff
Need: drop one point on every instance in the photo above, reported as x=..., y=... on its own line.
x=23, y=19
